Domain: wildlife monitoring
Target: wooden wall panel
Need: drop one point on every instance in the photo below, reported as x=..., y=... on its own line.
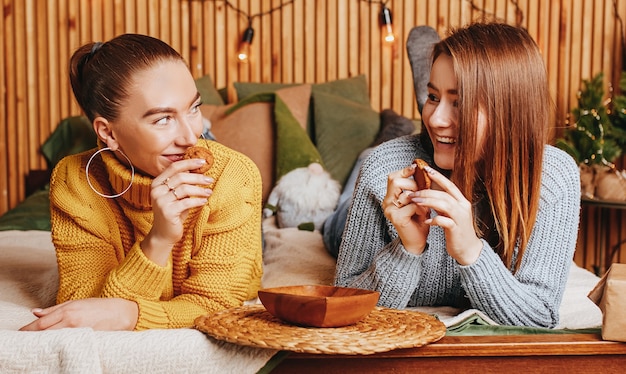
x=295, y=41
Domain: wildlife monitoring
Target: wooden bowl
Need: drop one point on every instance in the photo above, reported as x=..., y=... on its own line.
x=319, y=306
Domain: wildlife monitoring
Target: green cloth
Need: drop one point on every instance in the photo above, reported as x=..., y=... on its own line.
x=208, y=93
x=31, y=214
x=72, y=135
x=475, y=325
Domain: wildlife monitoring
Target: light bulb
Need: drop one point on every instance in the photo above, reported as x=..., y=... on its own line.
x=244, y=47
x=387, y=25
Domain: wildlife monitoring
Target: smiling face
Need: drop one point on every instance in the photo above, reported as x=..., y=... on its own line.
x=440, y=115
x=160, y=118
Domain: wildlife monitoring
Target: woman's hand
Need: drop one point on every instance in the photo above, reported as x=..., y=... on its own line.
x=408, y=218
x=454, y=215
x=97, y=313
x=174, y=192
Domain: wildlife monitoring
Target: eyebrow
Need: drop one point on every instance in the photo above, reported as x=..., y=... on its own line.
x=451, y=92
x=153, y=111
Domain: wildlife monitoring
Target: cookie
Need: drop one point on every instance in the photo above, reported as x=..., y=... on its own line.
x=420, y=175
x=199, y=152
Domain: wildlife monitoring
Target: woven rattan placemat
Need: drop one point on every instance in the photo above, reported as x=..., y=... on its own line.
x=382, y=330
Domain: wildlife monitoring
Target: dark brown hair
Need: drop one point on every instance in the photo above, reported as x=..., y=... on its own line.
x=101, y=72
x=500, y=70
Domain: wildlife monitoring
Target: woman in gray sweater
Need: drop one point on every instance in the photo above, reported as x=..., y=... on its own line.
x=497, y=230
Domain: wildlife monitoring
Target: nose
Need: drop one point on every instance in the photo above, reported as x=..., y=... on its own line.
x=189, y=131
x=443, y=115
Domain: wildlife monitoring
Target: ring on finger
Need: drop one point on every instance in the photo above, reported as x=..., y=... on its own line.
x=175, y=194
x=165, y=183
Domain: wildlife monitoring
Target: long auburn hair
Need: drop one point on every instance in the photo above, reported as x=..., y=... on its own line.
x=500, y=70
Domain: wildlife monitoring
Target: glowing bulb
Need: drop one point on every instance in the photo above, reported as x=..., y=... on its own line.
x=244, y=47
x=387, y=25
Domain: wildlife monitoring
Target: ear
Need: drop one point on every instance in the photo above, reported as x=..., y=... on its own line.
x=103, y=129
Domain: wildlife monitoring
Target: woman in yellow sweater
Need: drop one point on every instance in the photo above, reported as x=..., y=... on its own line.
x=143, y=240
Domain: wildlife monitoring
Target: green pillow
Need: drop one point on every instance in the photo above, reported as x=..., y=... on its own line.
x=208, y=92
x=353, y=89
x=247, y=89
x=31, y=214
x=72, y=135
x=294, y=148
x=343, y=129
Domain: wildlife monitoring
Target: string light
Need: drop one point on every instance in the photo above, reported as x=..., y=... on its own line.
x=388, y=36
x=243, y=52
x=386, y=23
x=246, y=41
x=244, y=49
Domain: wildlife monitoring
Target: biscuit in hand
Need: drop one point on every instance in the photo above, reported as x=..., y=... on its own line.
x=199, y=152
x=420, y=175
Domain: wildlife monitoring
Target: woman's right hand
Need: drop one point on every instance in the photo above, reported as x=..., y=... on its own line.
x=407, y=217
x=174, y=192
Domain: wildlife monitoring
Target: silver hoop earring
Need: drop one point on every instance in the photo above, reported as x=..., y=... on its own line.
x=132, y=177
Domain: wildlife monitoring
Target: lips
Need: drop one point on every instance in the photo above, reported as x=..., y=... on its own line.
x=445, y=139
x=174, y=158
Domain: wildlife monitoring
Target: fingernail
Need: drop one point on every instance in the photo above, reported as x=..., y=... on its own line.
x=429, y=170
x=209, y=179
x=417, y=200
x=36, y=310
x=200, y=161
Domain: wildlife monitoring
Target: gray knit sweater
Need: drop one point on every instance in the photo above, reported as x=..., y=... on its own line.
x=372, y=256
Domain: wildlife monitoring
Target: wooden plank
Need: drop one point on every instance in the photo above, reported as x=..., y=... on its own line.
x=16, y=176
x=575, y=353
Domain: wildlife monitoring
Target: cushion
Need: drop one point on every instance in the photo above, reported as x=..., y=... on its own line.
x=294, y=148
x=273, y=136
x=247, y=89
x=354, y=88
x=72, y=135
x=31, y=214
x=208, y=92
x=249, y=130
x=343, y=129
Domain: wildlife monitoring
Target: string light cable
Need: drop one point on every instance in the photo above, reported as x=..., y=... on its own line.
x=243, y=52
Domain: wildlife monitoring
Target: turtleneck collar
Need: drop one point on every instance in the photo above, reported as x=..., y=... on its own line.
x=120, y=176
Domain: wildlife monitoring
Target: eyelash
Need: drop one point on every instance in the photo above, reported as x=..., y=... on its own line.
x=194, y=110
x=434, y=98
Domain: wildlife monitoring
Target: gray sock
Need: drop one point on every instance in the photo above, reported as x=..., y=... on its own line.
x=419, y=47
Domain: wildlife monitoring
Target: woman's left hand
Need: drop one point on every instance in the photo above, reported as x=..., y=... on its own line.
x=454, y=215
x=97, y=313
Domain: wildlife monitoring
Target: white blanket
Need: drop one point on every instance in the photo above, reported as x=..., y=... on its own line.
x=28, y=279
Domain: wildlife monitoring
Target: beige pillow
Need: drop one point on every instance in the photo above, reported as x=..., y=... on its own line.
x=248, y=130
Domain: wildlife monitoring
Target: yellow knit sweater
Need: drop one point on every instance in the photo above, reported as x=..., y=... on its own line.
x=216, y=264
